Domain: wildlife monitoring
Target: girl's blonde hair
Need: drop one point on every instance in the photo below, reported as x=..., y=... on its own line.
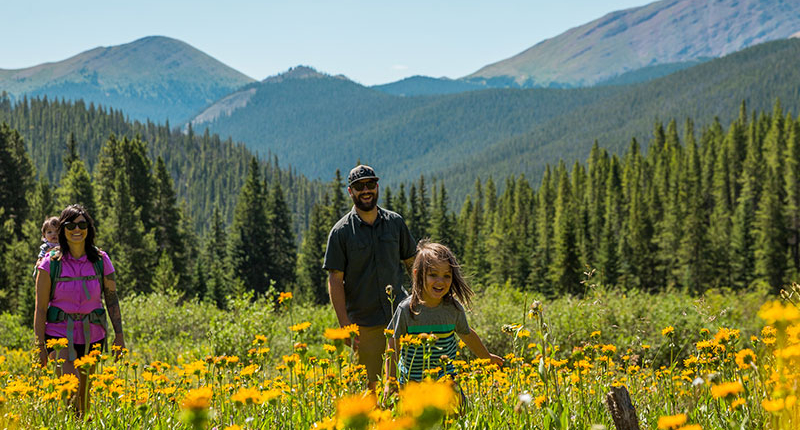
x=428, y=254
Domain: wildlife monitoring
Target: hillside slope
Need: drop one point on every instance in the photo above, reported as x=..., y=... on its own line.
x=154, y=77
x=666, y=31
x=321, y=124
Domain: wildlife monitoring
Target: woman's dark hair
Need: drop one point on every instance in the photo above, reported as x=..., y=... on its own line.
x=428, y=254
x=69, y=214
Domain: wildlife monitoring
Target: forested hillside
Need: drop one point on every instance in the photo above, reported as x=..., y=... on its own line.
x=206, y=170
x=496, y=132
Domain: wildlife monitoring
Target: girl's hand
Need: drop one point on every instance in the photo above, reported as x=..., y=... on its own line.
x=496, y=359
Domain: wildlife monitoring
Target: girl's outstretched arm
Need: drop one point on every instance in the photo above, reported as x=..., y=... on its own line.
x=477, y=347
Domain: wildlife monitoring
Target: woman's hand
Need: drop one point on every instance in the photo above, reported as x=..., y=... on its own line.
x=119, y=342
x=43, y=356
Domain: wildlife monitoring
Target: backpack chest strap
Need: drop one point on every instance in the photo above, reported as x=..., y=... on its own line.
x=83, y=280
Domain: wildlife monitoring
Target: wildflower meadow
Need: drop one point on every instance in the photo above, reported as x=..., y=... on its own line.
x=697, y=372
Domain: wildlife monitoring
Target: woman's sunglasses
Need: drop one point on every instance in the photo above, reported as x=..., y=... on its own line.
x=80, y=224
x=359, y=186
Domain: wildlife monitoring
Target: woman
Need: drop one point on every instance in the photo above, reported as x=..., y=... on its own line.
x=73, y=308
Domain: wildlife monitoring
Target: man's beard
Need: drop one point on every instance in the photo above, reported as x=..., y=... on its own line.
x=365, y=206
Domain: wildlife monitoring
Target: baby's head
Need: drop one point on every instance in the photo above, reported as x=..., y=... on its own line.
x=50, y=230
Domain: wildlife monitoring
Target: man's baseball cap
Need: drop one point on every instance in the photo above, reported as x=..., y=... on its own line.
x=360, y=172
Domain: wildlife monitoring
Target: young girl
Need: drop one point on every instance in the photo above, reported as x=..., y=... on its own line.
x=50, y=239
x=434, y=307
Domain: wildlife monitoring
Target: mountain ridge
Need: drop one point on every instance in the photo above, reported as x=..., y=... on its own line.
x=151, y=77
x=666, y=31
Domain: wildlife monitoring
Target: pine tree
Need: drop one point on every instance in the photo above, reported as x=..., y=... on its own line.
x=608, y=260
x=400, y=203
x=280, y=239
x=167, y=219
x=248, y=252
x=132, y=249
x=769, y=245
x=76, y=187
x=442, y=230
x=16, y=177
x=693, y=250
x=165, y=279
x=339, y=205
x=311, y=276
x=742, y=245
x=545, y=213
x=564, y=270
x=422, y=215
x=791, y=184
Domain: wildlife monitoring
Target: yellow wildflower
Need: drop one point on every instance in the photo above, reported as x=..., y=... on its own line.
x=667, y=331
x=198, y=399
x=282, y=297
x=745, y=358
x=726, y=389
x=300, y=327
x=671, y=421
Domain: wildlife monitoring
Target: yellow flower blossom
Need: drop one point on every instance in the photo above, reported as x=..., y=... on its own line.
x=726, y=389
x=198, y=399
x=666, y=331
x=671, y=421
x=301, y=327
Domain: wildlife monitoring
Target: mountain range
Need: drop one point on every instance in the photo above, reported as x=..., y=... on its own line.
x=663, y=32
x=319, y=123
x=154, y=77
x=609, y=79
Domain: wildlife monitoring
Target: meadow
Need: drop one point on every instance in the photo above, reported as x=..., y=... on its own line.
x=725, y=360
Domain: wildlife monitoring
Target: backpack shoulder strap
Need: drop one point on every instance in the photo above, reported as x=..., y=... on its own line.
x=98, y=270
x=55, y=270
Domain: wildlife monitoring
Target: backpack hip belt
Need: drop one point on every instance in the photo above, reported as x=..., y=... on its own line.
x=97, y=316
x=55, y=315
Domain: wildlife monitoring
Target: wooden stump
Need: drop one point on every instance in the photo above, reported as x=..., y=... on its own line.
x=622, y=410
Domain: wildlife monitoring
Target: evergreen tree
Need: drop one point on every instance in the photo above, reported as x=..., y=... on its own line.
x=791, y=183
x=280, y=239
x=442, y=230
x=693, y=250
x=339, y=205
x=76, y=187
x=400, y=203
x=16, y=178
x=564, y=269
x=311, y=276
x=165, y=279
x=544, y=230
x=607, y=251
x=248, y=252
x=769, y=246
x=167, y=219
x=132, y=249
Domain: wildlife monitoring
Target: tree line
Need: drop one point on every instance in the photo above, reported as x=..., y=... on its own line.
x=714, y=208
x=718, y=208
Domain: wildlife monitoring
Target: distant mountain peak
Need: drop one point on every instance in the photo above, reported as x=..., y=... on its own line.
x=662, y=32
x=301, y=72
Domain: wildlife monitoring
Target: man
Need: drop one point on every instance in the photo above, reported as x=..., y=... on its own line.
x=365, y=249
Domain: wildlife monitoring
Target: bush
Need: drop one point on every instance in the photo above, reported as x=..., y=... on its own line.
x=14, y=332
x=625, y=319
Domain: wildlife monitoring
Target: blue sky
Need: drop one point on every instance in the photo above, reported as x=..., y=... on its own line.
x=371, y=42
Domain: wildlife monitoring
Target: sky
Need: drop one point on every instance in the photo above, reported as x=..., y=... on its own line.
x=369, y=41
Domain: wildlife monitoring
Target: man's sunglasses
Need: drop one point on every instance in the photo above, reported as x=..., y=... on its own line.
x=359, y=186
x=80, y=224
